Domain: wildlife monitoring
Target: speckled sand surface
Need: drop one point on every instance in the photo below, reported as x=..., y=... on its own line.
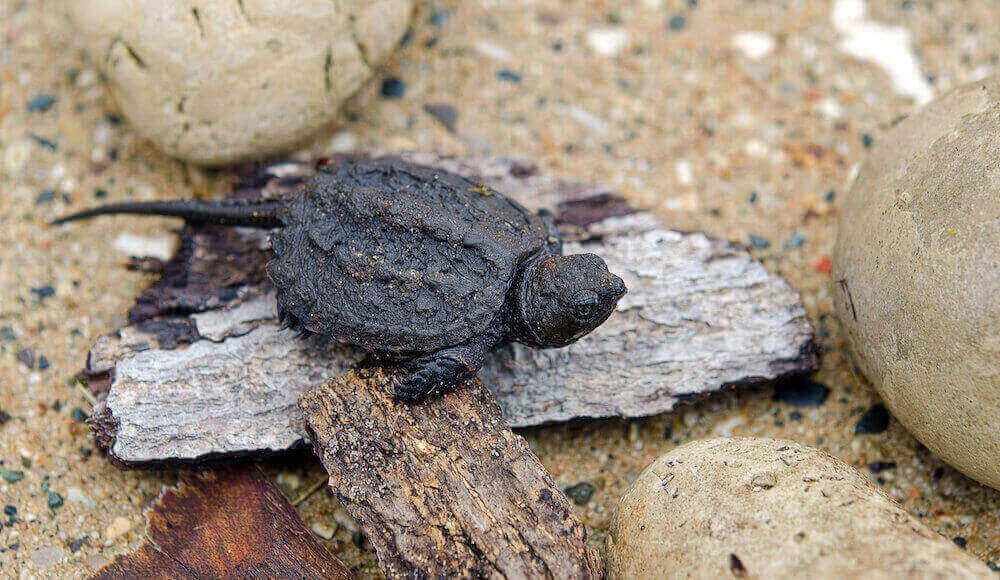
x=742, y=119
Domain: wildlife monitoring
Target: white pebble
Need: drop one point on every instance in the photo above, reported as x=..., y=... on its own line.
x=103, y=133
x=830, y=108
x=16, y=155
x=684, y=172
x=323, y=530
x=45, y=557
x=345, y=521
x=118, y=528
x=608, y=41
x=725, y=428
x=588, y=119
x=885, y=46
x=87, y=78
x=754, y=45
x=143, y=247
x=342, y=142
x=75, y=495
x=756, y=148
x=494, y=51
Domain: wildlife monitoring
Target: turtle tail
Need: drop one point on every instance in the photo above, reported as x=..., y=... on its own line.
x=257, y=214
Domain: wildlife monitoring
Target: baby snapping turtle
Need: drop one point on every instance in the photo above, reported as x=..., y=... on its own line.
x=415, y=265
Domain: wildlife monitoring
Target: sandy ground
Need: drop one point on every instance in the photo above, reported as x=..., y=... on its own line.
x=751, y=137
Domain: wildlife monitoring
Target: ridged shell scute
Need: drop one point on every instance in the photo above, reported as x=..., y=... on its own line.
x=399, y=258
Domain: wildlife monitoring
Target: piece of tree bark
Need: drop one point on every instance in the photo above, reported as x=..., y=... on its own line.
x=225, y=524
x=443, y=488
x=700, y=315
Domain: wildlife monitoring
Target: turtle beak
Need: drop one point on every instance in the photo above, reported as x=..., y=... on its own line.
x=616, y=288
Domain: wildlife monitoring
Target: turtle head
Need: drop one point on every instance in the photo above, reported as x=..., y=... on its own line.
x=566, y=297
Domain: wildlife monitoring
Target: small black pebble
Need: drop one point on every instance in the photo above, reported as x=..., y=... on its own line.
x=44, y=142
x=960, y=541
x=880, y=466
x=875, y=420
x=55, y=500
x=581, y=492
x=509, y=75
x=393, y=88
x=43, y=292
x=78, y=415
x=801, y=393
x=795, y=416
x=438, y=17
x=830, y=195
x=27, y=358
x=4, y=417
x=753, y=197
x=47, y=196
x=41, y=103
x=678, y=22
x=99, y=193
x=10, y=510
x=444, y=113
x=736, y=566
x=76, y=544
x=867, y=140
x=794, y=241
x=32, y=360
x=360, y=540
x=759, y=242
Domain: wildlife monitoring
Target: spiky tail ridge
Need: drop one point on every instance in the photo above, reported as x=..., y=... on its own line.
x=257, y=214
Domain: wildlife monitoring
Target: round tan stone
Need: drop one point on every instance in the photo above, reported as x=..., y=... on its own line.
x=766, y=508
x=916, y=275
x=221, y=81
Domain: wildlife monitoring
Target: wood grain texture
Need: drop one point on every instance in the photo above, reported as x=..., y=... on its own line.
x=225, y=524
x=443, y=488
x=701, y=315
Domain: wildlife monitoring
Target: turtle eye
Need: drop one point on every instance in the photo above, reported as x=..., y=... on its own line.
x=585, y=305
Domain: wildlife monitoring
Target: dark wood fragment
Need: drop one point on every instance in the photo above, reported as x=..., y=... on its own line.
x=443, y=488
x=225, y=524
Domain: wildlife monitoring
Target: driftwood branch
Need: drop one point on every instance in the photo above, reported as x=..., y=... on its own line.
x=443, y=488
x=226, y=524
x=701, y=315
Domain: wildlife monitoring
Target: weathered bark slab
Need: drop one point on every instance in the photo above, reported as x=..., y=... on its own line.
x=226, y=524
x=443, y=488
x=701, y=315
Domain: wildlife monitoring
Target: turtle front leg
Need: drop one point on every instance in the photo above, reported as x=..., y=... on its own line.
x=441, y=371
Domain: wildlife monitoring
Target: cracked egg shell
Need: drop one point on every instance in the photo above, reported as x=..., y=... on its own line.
x=222, y=81
x=916, y=275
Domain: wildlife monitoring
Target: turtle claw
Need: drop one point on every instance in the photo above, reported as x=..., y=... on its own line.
x=412, y=388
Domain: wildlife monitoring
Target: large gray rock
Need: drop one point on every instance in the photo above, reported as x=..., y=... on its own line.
x=916, y=275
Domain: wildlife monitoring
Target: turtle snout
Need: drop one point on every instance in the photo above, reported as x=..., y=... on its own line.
x=616, y=287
